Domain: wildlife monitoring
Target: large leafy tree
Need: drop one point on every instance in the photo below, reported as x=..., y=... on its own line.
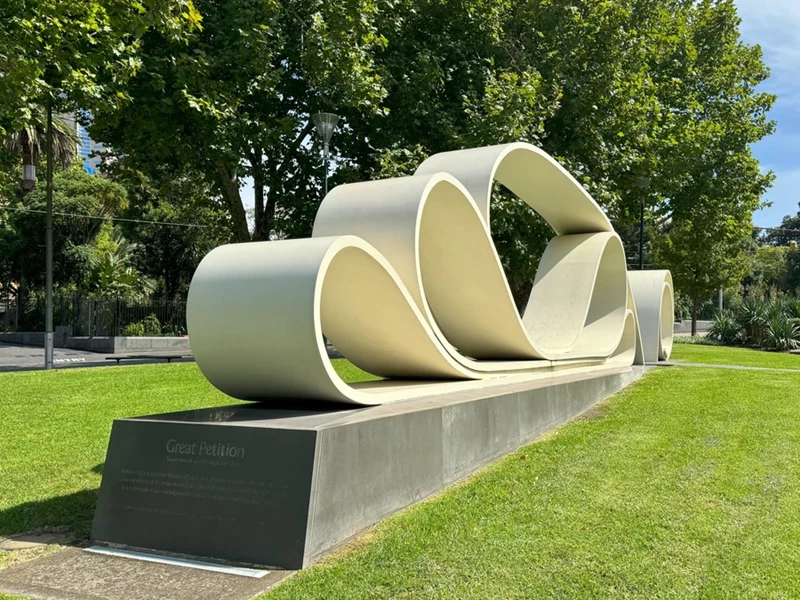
x=235, y=101
x=615, y=90
x=71, y=55
x=77, y=53
x=709, y=180
x=173, y=222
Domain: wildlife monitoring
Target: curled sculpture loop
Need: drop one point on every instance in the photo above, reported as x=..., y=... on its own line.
x=402, y=276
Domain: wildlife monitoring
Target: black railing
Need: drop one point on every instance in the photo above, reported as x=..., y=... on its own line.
x=89, y=316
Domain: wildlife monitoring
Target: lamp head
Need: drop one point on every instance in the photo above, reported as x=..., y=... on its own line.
x=325, y=124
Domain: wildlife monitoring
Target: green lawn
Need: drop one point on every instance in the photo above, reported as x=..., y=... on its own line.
x=54, y=430
x=685, y=485
x=734, y=356
x=677, y=488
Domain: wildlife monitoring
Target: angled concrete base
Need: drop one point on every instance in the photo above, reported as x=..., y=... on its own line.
x=282, y=486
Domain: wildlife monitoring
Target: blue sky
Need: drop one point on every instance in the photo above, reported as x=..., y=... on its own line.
x=775, y=25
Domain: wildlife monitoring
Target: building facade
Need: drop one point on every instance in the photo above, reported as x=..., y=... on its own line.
x=88, y=150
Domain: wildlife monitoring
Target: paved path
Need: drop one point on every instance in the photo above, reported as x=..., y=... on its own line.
x=73, y=574
x=680, y=363
x=16, y=357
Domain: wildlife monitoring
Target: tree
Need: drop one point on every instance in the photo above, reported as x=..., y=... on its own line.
x=82, y=203
x=788, y=232
x=614, y=90
x=770, y=270
x=235, y=101
x=169, y=254
x=111, y=273
x=77, y=53
x=714, y=182
x=29, y=142
x=68, y=55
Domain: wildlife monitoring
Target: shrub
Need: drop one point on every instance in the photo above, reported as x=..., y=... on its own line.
x=753, y=316
x=781, y=333
x=771, y=324
x=147, y=327
x=134, y=330
x=793, y=308
x=727, y=329
x=151, y=325
x=698, y=340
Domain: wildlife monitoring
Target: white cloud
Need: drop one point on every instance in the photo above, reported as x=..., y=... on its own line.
x=775, y=26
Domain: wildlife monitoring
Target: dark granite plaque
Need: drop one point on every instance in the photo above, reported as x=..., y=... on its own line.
x=207, y=488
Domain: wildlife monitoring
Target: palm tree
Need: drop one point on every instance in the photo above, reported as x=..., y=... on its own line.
x=31, y=141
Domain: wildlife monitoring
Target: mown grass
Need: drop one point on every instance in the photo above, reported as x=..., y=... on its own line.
x=725, y=355
x=54, y=429
x=685, y=485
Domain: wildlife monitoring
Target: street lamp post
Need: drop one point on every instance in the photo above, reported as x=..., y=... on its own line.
x=48, y=253
x=325, y=124
x=643, y=183
x=53, y=79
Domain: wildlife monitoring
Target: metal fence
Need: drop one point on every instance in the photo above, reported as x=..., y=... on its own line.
x=88, y=316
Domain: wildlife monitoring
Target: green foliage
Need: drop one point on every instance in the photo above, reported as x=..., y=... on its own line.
x=29, y=143
x=111, y=272
x=150, y=326
x=784, y=241
x=169, y=254
x=134, y=330
x=22, y=232
x=614, y=90
x=781, y=237
x=683, y=307
x=726, y=329
x=520, y=236
x=781, y=333
x=79, y=53
x=771, y=324
x=769, y=268
x=752, y=316
x=235, y=99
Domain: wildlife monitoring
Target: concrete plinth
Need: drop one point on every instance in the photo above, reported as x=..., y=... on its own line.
x=281, y=487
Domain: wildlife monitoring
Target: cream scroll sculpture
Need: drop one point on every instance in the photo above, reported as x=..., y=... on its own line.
x=402, y=276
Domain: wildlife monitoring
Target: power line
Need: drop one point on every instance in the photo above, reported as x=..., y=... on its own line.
x=137, y=221
x=781, y=229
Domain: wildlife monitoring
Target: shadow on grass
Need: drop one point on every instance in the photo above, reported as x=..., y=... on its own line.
x=72, y=512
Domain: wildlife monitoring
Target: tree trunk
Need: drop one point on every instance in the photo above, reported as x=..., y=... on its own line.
x=261, y=232
x=695, y=306
x=229, y=185
x=269, y=210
